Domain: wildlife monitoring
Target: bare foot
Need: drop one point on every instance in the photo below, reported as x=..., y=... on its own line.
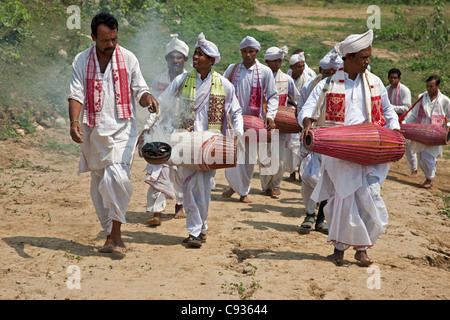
x=362, y=257
x=156, y=220
x=227, y=194
x=413, y=174
x=179, y=212
x=337, y=257
x=108, y=246
x=428, y=184
x=245, y=199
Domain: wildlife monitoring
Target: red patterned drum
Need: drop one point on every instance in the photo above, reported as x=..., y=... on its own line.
x=428, y=134
x=366, y=144
x=286, y=120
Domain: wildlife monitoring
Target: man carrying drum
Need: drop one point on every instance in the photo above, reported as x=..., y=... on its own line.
x=355, y=212
x=205, y=101
x=255, y=87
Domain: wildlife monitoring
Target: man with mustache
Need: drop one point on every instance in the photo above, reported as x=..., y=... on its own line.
x=105, y=87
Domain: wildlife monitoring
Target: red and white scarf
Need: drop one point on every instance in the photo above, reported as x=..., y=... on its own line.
x=435, y=113
x=94, y=79
x=254, y=105
x=335, y=99
x=281, y=81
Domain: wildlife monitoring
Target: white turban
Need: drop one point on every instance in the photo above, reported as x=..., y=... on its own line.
x=250, y=42
x=332, y=60
x=355, y=43
x=297, y=58
x=177, y=45
x=208, y=48
x=274, y=53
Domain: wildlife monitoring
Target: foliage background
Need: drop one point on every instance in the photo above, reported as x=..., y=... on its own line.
x=37, y=48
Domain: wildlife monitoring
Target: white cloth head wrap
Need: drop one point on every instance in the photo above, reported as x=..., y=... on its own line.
x=332, y=60
x=274, y=53
x=296, y=58
x=177, y=45
x=250, y=42
x=208, y=48
x=355, y=43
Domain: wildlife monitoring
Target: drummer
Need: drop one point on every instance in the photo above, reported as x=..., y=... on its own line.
x=434, y=108
x=205, y=101
x=289, y=150
x=355, y=212
x=254, y=84
x=311, y=161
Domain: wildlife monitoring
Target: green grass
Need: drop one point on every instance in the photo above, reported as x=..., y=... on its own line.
x=35, y=76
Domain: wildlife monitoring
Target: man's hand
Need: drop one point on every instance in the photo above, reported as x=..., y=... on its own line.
x=269, y=124
x=75, y=131
x=307, y=123
x=147, y=100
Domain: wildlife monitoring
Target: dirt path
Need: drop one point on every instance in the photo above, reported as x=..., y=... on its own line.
x=254, y=251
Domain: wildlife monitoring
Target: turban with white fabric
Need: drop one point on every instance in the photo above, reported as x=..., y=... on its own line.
x=209, y=48
x=355, y=43
x=250, y=42
x=274, y=53
x=297, y=58
x=332, y=60
x=177, y=45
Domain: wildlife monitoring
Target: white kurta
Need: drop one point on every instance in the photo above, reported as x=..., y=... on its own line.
x=197, y=184
x=356, y=215
x=400, y=108
x=107, y=149
x=427, y=155
x=239, y=177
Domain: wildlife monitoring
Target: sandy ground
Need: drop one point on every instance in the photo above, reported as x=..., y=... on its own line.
x=254, y=251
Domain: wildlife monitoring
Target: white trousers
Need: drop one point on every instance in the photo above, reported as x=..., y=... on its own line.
x=197, y=187
x=411, y=157
x=427, y=163
x=111, y=191
x=268, y=158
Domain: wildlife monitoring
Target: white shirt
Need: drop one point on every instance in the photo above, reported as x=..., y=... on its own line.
x=113, y=140
x=355, y=110
x=268, y=87
x=405, y=98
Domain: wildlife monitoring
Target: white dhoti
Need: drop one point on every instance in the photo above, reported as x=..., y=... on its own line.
x=427, y=158
x=164, y=180
x=291, y=152
x=111, y=191
x=355, y=212
x=196, y=197
x=309, y=174
x=411, y=156
x=271, y=167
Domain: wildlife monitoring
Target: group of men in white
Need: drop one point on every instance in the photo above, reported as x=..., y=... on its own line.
x=107, y=83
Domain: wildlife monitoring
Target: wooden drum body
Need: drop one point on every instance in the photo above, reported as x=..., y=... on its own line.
x=365, y=144
x=286, y=120
x=204, y=150
x=428, y=134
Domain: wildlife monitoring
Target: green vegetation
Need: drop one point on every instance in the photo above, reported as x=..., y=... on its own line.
x=37, y=47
